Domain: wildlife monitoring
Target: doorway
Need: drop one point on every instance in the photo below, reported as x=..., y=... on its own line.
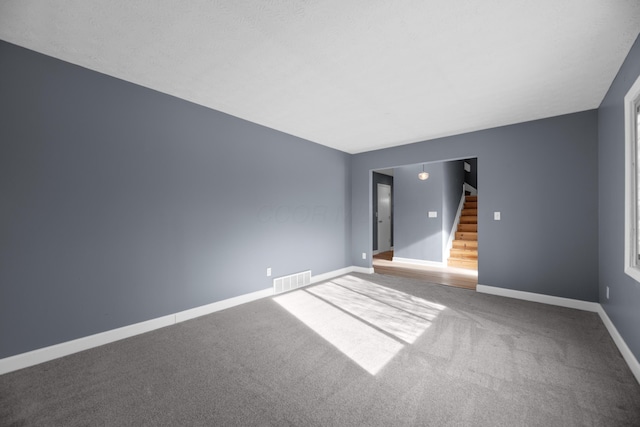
x=411, y=249
x=385, y=177
x=384, y=217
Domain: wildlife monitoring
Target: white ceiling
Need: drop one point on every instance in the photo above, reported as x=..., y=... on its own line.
x=355, y=75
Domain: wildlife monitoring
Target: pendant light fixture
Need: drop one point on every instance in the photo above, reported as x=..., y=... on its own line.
x=422, y=176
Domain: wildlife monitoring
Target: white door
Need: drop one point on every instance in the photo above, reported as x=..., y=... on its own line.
x=384, y=218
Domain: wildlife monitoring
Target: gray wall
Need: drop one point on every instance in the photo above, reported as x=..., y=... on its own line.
x=623, y=307
x=471, y=178
x=451, y=194
x=379, y=178
x=547, y=241
x=120, y=204
x=416, y=235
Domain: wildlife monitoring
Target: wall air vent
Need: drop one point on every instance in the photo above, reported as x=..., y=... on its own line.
x=293, y=281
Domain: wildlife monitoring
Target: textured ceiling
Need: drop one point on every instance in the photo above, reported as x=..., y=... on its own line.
x=355, y=75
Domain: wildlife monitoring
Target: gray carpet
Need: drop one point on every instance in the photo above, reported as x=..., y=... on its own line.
x=451, y=357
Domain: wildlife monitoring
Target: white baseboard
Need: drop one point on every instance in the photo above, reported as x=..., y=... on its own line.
x=624, y=349
x=471, y=189
x=330, y=275
x=544, y=299
x=221, y=305
x=595, y=307
x=419, y=262
x=341, y=272
x=24, y=360
x=363, y=270
x=454, y=228
x=45, y=354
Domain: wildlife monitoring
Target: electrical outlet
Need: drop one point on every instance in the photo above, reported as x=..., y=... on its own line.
x=607, y=292
x=496, y=216
x=269, y=272
x=364, y=255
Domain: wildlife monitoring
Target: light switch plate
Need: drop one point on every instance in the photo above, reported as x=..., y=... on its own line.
x=496, y=216
x=433, y=214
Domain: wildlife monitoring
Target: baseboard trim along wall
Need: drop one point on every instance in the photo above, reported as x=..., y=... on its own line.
x=41, y=355
x=331, y=274
x=452, y=235
x=627, y=355
x=544, y=299
x=24, y=360
x=35, y=357
x=418, y=262
x=221, y=305
x=595, y=307
x=471, y=189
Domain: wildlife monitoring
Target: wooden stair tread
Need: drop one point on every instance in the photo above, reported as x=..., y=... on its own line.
x=468, y=227
x=462, y=244
x=463, y=253
x=466, y=235
x=470, y=264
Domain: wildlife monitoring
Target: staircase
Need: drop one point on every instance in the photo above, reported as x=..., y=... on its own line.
x=464, y=253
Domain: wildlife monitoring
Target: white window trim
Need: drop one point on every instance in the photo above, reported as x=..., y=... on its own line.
x=631, y=102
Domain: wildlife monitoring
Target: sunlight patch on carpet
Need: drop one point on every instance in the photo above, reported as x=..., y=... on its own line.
x=363, y=344
x=413, y=304
x=399, y=323
x=367, y=322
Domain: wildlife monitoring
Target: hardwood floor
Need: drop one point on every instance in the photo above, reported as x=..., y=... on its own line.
x=458, y=277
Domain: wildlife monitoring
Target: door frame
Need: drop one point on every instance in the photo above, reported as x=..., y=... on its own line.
x=384, y=248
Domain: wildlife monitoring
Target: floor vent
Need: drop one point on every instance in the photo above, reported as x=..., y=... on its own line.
x=293, y=281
